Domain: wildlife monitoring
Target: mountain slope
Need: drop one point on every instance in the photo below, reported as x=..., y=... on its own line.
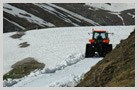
x=20, y=16
x=117, y=69
x=113, y=7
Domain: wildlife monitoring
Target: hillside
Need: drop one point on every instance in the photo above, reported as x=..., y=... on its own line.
x=117, y=69
x=59, y=50
x=29, y=16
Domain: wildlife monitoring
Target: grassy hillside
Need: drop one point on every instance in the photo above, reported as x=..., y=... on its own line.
x=117, y=69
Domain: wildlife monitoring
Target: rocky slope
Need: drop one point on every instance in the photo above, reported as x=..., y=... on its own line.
x=20, y=16
x=117, y=69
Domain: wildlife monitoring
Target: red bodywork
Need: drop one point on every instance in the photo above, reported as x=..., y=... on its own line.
x=104, y=41
x=99, y=31
x=91, y=40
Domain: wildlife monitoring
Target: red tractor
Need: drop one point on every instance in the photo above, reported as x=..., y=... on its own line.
x=99, y=44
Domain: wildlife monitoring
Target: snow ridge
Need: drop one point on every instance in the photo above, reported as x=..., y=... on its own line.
x=70, y=83
x=71, y=60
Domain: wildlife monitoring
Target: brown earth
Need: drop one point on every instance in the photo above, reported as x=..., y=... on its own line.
x=23, y=68
x=24, y=44
x=117, y=69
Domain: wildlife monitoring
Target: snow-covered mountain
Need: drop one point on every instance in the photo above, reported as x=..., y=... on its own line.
x=60, y=49
x=113, y=7
x=21, y=16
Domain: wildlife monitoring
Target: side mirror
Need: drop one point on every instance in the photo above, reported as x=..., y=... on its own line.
x=112, y=33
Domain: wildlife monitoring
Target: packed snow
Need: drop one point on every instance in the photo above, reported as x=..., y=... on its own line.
x=23, y=14
x=60, y=49
x=114, y=7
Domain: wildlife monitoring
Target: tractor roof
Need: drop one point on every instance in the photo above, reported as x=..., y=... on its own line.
x=99, y=31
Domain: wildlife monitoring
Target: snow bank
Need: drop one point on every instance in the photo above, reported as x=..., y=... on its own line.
x=68, y=83
x=72, y=59
x=69, y=76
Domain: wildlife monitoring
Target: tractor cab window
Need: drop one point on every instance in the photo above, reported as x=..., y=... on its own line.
x=99, y=35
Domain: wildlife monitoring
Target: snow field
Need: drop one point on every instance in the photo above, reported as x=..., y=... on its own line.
x=60, y=49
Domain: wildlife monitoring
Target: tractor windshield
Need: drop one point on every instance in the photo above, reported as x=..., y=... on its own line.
x=99, y=35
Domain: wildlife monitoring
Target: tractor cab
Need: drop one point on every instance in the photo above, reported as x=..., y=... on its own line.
x=99, y=37
x=98, y=44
